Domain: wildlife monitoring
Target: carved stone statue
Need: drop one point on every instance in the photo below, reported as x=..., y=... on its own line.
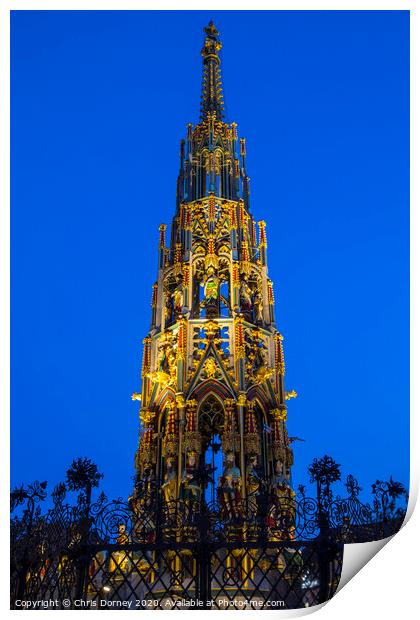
x=178, y=297
x=169, y=486
x=119, y=560
x=229, y=489
x=258, y=307
x=245, y=296
x=211, y=286
x=168, y=309
x=149, y=480
x=278, y=479
x=253, y=484
x=190, y=487
x=122, y=537
x=281, y=512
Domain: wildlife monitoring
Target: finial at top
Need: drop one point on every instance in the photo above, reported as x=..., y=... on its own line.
x=211, y=90
x=211, y=30
x=212, y=44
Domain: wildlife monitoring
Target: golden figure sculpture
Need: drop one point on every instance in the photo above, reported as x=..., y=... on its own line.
x=178, y=297
x=253, y=485
x=169, y=487
x=281, y=511
x=190, y=486
x=119, y=560
x=258, y=307
x=245, y=292
x=211, y=285
x=229, y=489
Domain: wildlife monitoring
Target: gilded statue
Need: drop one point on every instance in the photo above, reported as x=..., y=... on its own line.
x=178, y=297
x=190, y=486
x=229, y=489
x=211, y=286
x=169, y=486
x=253, y=484
x=258, y=307
x=245, y=296
x=281, y=511
x=168, y=309
x=119, y=560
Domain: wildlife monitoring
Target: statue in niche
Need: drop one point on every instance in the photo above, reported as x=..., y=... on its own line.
x=229, y=489
x=253, y=484
x=278, y=479
x=211, y=286
x=145, y=485
x=258, y=307
x=169, y=486
x=166, y=360
x=148, y=481
x=178, y=298
x=245, y=293
x=281, y=512
x=190, y=486
x=168, y=309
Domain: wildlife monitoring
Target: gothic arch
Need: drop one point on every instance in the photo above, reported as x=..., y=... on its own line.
x=257, y=393
x=211, y=386
x=167, y=394
x=211, y=414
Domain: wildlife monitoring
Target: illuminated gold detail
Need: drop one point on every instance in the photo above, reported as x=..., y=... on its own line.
x=279, y=356
x=146, y=357
x=180, y=401
x=210, y=367
x=263, y=238
x=239, y=337
x=161, y=377
x=146, y=416
x=162, y=229
x=280, y=413
x=262, y=374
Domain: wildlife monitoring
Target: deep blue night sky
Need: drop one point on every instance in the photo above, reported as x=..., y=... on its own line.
x=100, y=101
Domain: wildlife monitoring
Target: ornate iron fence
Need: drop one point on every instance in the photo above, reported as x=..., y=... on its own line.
x=148, y=553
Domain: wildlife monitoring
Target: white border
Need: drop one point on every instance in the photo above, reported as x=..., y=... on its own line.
x=387, y=585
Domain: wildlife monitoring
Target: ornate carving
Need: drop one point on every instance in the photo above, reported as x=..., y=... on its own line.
x=193, y=439
x=239, y=337
x=212, y=315
x=262, y=374
x=170, y=440
x=147, y=417
x=231, y=439
x=147, y=448
x=210, y=368
x=229, y=489
x=252, y=438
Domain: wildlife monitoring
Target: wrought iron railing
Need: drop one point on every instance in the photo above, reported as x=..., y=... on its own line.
x=151, y=553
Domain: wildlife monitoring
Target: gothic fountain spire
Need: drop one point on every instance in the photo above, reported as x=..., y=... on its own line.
x=213, y=365
x=211, y=89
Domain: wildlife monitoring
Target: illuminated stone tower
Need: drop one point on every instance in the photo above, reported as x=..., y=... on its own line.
x=213, y=406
